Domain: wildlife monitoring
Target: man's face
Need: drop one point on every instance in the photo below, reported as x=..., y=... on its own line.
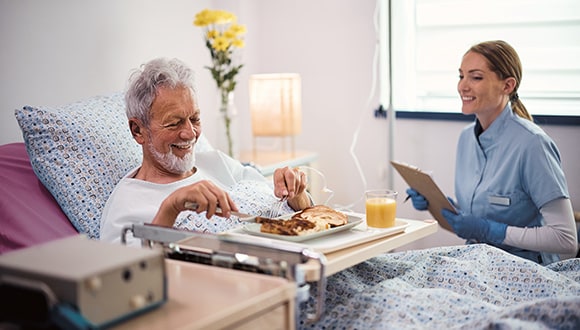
x=173, y=131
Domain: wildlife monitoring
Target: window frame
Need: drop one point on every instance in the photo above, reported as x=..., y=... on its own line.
x=417, y=113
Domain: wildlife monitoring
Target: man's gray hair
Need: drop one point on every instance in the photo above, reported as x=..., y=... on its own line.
x=146, y=81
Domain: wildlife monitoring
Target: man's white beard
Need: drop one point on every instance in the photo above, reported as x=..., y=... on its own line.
x=172, y=163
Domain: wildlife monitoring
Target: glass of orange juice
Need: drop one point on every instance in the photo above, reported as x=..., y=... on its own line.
x=381, y=208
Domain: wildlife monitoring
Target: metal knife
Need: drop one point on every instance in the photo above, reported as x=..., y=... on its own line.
x=240, y=215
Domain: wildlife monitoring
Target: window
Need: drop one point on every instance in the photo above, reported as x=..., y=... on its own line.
x=429, y=37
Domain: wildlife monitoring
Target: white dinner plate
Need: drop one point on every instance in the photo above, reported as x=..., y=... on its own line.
x=254, y=229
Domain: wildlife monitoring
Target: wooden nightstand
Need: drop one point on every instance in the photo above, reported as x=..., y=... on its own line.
x=207, y=297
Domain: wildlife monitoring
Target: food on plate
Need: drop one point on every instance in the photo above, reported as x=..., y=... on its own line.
x=310, y=220
x=290, y=227
x=323, y=213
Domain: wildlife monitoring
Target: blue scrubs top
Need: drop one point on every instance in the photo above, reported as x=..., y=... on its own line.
x=507, y=173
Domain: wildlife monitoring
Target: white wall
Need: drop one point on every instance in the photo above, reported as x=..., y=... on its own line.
x=59, y=51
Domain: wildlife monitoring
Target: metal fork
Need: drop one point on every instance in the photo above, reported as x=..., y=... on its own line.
x=274, y=211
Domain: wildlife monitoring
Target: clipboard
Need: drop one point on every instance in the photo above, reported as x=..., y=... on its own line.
x=426, y=186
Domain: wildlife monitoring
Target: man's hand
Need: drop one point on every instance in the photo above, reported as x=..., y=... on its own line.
x=468, y=226
x=204, y=193
x=291, y=183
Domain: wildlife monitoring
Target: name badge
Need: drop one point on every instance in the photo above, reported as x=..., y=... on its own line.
x=505, y=201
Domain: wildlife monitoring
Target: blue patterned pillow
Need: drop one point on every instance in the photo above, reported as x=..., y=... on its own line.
x=79, y=152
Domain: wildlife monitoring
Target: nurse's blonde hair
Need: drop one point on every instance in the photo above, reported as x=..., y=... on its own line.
x=504, y=60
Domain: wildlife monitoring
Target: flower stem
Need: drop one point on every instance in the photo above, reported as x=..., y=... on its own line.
x=225, y=97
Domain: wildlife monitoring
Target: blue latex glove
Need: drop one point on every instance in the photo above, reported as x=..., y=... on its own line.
x=419, y=202
x=468, y=226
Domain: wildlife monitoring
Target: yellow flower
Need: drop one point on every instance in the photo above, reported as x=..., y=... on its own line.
x=238, y=29
x=212, y=34
x=229, y=34
x=222, y=36
x=223, y=17
x=202, y=18
x=207, y=17
x=238, y=43
x=220, y=44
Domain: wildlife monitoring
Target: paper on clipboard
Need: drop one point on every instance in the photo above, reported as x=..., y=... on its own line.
x=424, y=184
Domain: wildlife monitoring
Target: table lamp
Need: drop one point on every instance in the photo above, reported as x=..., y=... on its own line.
x=275, y=105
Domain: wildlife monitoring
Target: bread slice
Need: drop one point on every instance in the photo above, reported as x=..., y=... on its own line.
x=290, y=227
x=310, y=220
x=323, y=213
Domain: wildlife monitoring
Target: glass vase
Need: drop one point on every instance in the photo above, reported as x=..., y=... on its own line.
x=227, y=124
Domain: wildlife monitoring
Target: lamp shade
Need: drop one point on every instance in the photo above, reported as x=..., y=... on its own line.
x=275, y=104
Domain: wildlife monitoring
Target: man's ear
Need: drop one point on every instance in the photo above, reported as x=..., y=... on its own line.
x=137, y=130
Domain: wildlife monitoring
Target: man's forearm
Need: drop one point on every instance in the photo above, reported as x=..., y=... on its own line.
x=166, y=215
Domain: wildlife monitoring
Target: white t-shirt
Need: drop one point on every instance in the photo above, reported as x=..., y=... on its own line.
x=136, y=201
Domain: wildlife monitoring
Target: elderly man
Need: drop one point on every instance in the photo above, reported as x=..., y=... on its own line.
x=164, y=118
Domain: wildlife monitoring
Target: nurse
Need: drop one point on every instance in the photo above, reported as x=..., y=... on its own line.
x=510, y=188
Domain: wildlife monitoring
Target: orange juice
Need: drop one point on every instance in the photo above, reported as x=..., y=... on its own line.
x=381, y=212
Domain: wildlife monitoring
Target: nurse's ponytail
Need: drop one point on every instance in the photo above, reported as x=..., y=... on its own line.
x=518, y=107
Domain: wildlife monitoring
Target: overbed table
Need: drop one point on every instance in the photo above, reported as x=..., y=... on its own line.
x=205, y=297
x=344, y=258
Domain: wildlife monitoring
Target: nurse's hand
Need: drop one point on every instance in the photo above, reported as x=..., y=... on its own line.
x=468, y=226
x=420, y=203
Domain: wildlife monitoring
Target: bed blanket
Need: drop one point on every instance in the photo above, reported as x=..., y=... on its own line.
x=462, y=287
